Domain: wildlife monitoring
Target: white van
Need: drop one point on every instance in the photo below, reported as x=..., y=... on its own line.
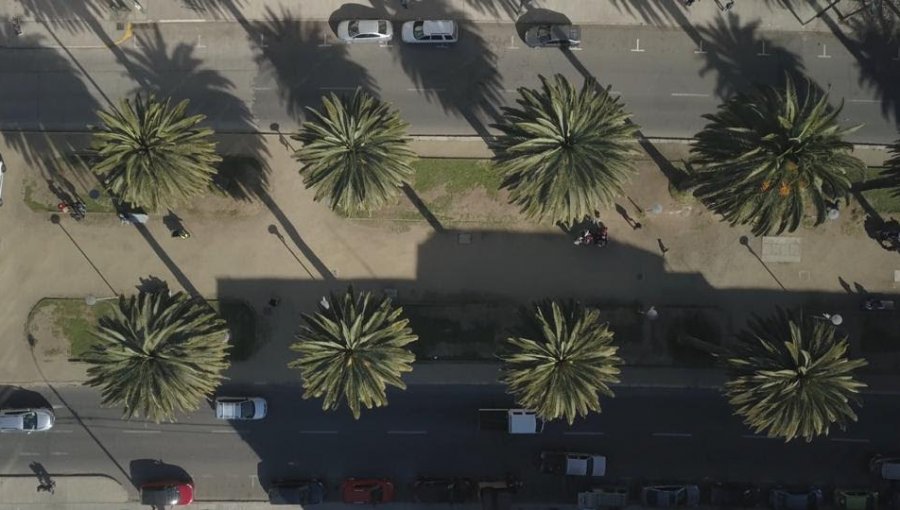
x=887, y=467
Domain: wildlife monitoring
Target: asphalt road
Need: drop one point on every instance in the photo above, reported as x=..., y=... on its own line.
x=433, y=431
x=249, y=77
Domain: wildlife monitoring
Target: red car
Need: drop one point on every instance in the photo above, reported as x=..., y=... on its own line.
x=162, y=494
x=367, y=490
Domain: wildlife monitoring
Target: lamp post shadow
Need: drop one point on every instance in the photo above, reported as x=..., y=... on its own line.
x=274, y=231
x=56, y=220
x=746, y=242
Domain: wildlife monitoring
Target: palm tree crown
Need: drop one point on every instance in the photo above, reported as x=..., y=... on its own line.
x=352, y=350
x=158, y=354
x=564, y=364
x=151, y=154
x=565, y=152
x=355, y=152
x=791, y=377
x=768, y=156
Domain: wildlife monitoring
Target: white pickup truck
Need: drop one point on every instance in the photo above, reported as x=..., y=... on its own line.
x=240, y=408
x=514, y=421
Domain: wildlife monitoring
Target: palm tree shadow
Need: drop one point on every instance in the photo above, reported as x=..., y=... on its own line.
x=422, y=208
x=659, y=13
x=472, y=57
x=741, y=58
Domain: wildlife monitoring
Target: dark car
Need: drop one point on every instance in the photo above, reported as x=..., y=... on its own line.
x=734, y=495
x=802, y=499
x=670, y=496
x=296, y=492
x=444, y=490
x=162, y=494
x=554, y=36
x=367, y=491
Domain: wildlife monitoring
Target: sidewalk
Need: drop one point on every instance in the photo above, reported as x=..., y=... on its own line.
x=661, y=13
x=21, y=491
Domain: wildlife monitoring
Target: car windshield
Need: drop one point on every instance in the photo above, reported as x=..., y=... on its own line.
x=353, y=28
x=29, y=421
x=419, y=30
x=544, y=33
x=382, y=27
x=247, y=410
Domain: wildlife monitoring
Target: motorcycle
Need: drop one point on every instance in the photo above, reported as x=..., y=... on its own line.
x=598, y=237
x=889, y=238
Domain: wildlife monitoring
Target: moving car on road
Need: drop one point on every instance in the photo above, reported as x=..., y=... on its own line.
x=365, y=31
x=573, y=464
x=856, y=499
x=444, y=490
x=26, y=420
x=367, y=491
x=887, y=467
x=165, y=493
x=430, y=32
x=790, y=499
x=669, y=496
x=296, y=492
x=555, y=36
x=240, y=408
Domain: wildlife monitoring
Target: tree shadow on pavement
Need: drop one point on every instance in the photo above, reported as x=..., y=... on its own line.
x=153, y=470
x=741, y=58
x=432, y=69
x=659, y=13
x=498, y=8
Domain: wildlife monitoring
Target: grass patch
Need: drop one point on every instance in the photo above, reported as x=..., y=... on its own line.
x=75, y=321
x=885, y=200
x=471, y=332
x=455, y=176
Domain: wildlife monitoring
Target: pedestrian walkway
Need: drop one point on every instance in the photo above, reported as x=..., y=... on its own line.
x=26, y=491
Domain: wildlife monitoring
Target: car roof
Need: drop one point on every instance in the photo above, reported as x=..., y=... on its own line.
x=436, y=27
x=368, y=26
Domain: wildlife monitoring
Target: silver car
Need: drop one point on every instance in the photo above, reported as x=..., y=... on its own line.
x=241, y=408
x=365, y=31
x=558, y=36
x=26, y=420
x=430, y=32
x=670, y=496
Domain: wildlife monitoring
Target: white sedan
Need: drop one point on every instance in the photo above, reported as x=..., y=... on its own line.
x=430, y=32
x=365, y=31
x=240, y=408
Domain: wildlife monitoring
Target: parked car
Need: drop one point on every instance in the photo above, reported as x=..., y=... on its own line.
x=887, y=467
x=855, y=499
x=550, y=35
x=795, y=499
x=444, y=490
x=734, y=495
x=26, y=420
x=241, y=408
x=296, y=492
x=367, y=491
x=430, y=32
x=668, y=496
x=167, y=493
x=573, y=464
x=365, y=31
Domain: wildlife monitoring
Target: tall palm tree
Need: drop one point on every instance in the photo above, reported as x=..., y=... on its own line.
x=355, y=152
x=158, y=354
x=150, y=153
x=565, y=152
x=791, y=377
x=766, y=158
x=564, y=363
x=352, y=350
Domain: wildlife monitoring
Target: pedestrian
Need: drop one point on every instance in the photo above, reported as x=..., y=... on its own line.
x=181, y=233
x=662, y=246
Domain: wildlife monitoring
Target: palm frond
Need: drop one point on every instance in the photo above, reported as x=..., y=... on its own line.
x=564, y=364
x=159, y=354
x=355, y=152
x=352, y=350
x=150, y=153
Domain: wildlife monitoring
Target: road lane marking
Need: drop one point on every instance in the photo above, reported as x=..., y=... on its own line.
x=140, y=431
x=849, y=440
x=62, y=431
x=59, y=454
x=672, y=434
x=824, y=52
x=414, y=89
x=865, y=100
x=338, y=88
x=324, y=40
x=408, y=432
x=584, y=433
x=29, y=454
x=58, y=406
x=754, y=436
x=700, y=50
x=637, y=46
x=512, y=43
x=318, y=431
x=224, y=431
x=688, y=94
x=763, y=52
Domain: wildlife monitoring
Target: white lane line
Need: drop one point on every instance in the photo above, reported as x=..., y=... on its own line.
x=317, y=431
x=754, y=436
x=763, y=52
x=413, y=89
x=408, y=432
x=29, y=454
x=61, y=431
x=688, y=94
x=584, y=433
x=865, y=100
x=324, y=40
x=262, y=88
x=224, y=431
x=637, y=46
x=337, y=88
x=672, y=434
x=512, y=43
x=700, y=50
x=140, y=431
x=59, y=454
x=824, y=52
x=185, y=20
x=849, y=440
x=58, y=406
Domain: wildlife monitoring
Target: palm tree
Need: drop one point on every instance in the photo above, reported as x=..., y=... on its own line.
x=564, y=152
x=769, y=156
x=791, y=377
x=355, y=152
x=158, y=354
x=565, y=361
x=151, y=154
x=352, y=350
